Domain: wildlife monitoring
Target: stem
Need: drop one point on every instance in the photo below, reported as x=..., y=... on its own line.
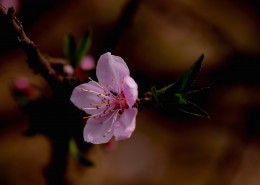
x=121, y=25
x=56, y=170
x=36, y=60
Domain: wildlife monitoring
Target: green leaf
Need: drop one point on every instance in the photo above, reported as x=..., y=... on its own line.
x=22, y=100
x=191, y=108
x=179, y=100
x=189, y=77
x=70, y=49
x=73, y=148
x=174, y=95
x=84, y=46
x=195, y=91
x=155, y=94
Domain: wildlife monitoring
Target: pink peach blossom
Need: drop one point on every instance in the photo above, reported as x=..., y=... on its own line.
x=110, y=103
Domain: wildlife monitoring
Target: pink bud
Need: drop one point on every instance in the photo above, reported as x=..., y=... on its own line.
x=68, y=69
x=21, y=85
x=87, y=63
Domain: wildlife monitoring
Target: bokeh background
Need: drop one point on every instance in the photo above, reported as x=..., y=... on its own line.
x=163, y=38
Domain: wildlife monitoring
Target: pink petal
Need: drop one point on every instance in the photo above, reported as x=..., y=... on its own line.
x=96, y=129
x=111, y=70
x=12, y=3
x=130, y=90
x=125, y=124
x=84, y=99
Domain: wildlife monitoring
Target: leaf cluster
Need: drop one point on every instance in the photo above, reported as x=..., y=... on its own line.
x=175, y=94
x=75, y=53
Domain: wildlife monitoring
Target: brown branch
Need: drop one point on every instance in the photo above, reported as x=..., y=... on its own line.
x=36, y=60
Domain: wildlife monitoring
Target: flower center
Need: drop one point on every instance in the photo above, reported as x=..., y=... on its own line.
x=121, y=103
x=108, y=102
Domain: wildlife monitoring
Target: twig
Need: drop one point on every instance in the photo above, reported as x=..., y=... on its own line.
x=36, y=60
x=124, y=22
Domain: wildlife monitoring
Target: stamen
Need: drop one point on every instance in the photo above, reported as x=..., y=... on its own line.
x=115, y=116
x=98, y=114
x=112, y=125
x=86, y=90
x=101, y=86
x=98, y=93
x=88, y=108
x=102, y=102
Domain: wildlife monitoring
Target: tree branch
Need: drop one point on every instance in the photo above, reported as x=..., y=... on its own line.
x=36, y=60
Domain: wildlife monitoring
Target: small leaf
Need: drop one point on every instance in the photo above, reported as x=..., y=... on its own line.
x=70, y=49
x=84, y=46
x=192, y=109
x=188, y=78
x=195, y=91
x=73, y=148
x=155, y=94
x=22, y=100
x=174, y=95
x=164, y=89
x=179, y=100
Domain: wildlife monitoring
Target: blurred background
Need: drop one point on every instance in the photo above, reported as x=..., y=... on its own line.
x=161, y=40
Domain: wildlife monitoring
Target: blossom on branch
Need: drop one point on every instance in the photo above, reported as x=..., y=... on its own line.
x=110, y=102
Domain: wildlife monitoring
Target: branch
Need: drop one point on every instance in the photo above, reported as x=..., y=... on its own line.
x=124, y=21
x=36, y=60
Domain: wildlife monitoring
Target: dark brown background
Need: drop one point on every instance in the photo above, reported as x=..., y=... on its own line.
x=163, y=40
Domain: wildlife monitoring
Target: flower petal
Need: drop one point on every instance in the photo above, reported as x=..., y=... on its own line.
x=111, y=70
x=99, y=130
x=125, y=124
x=88, y=96
x=130, y=90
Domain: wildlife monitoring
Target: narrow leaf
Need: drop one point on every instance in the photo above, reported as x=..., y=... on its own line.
x=189, y=76
x=70, y=49
x=195, y=91
x=155, y=94
x=73, y=148
x=84, y=46
x=22, y=100
x=192, y=109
